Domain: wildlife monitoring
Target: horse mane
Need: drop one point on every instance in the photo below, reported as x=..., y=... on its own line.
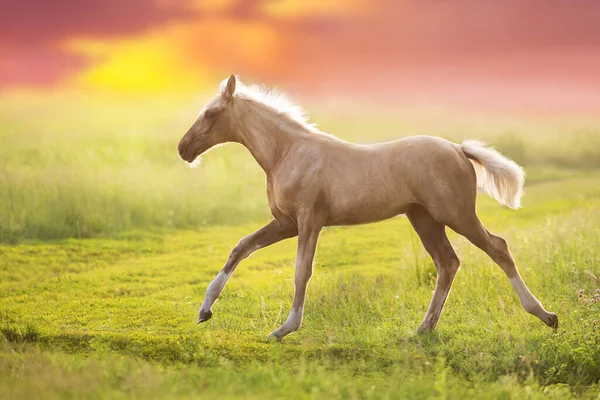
x=272, y=99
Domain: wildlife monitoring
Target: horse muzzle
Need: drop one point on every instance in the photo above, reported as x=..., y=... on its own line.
x=185, y=150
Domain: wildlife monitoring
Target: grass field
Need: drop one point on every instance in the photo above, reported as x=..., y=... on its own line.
x=108, y=241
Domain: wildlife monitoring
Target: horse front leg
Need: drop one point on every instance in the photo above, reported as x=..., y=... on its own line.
x=308, y=235
x=271, y=233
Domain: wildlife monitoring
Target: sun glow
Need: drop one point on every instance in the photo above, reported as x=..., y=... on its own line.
x=192, y=55
x=146, y=64
x=475, y=54
x=188, y=57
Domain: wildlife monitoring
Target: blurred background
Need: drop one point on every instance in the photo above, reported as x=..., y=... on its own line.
x=542, y=55
x=95, y=95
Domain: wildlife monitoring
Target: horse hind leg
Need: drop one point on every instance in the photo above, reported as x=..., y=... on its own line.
x=497, y=248
x=434, y=239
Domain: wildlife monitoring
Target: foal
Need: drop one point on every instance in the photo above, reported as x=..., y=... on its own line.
x=315, y=180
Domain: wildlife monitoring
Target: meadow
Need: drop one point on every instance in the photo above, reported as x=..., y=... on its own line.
x=108, y=241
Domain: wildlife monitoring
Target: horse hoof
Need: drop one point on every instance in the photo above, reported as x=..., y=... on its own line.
x=204, y=316
x=552, y=320
x=273, y=338
x=422, y=329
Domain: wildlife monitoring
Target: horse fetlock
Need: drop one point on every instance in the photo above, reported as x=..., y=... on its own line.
x=285, y=329
x=424, y=328
x=429, y=322
x=534, y=307
x=275, y=336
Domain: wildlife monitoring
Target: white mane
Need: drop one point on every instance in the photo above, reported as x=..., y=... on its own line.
x=274, y=100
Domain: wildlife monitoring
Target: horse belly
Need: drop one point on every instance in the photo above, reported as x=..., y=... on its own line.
x=366, y=205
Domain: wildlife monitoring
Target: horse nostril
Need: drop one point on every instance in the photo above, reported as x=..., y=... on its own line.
x=181, y=150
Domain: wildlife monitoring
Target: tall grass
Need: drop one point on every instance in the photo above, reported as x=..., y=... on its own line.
x=77, y=166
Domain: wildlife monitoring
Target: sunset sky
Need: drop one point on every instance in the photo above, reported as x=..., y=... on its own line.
x=548, y=49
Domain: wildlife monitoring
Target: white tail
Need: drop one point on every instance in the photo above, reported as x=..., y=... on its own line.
x=497, y=175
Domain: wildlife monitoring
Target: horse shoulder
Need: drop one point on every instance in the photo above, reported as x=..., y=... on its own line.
x=296, y=184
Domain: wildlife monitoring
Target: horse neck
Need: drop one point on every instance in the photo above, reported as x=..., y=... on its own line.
x=267, y=135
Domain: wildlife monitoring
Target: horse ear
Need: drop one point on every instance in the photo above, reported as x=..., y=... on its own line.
x=230, y=88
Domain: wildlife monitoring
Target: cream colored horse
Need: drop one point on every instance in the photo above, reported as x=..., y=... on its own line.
x=315, y=179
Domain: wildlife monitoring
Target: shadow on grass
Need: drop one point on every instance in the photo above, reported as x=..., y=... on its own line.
x=15, y=333
x=563, y=358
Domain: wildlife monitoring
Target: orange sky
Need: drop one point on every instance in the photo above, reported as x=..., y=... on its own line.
x=445, y=49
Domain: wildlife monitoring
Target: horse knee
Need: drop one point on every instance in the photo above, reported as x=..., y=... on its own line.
x=237, y=254
x=449, y=262
x=454, y=263
x=241, y=248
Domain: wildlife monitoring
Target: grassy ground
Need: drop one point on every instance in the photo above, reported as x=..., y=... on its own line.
x=109, y=243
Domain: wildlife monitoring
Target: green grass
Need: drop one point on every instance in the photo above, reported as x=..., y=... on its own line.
x=83, y=167
x=109, y=241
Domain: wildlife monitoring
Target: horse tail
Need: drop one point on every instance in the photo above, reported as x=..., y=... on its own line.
x=497, y=175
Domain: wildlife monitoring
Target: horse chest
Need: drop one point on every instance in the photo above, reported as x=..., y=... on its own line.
x=283, y=200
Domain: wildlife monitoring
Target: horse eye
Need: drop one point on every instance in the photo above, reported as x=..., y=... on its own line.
x=209, y=114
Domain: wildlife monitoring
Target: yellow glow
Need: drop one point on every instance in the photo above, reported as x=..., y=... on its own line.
x=294, y=8
x=147, y=64
x=193, y=56
x=196, y=55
